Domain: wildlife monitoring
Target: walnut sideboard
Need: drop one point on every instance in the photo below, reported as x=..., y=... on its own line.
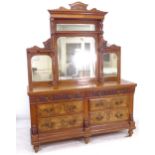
x=80, y=111
x=75, y=87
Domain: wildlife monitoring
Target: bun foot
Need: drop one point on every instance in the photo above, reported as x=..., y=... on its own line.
x=86, y=140
x=130, y=132
x=36, y=148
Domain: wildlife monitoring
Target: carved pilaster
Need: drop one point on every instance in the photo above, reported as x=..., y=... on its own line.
x=53, y=28
x=34, y=130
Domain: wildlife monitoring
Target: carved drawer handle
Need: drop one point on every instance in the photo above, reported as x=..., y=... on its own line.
x=63, y=123
x=100, y=104
x=99, y=117
x=49, y=110
x=49, y=125
x=118, y=102
x=72, y=122
x=119, y=115
x=70, y=108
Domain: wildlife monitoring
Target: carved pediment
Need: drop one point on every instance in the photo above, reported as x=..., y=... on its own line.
x=78, y=6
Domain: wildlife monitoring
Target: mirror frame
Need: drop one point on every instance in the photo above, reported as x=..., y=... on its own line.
x=83, y=80
x=116, y=50
x=56, y=34
x=36, y=51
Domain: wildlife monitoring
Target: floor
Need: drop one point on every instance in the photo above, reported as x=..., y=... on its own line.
x=115, y=143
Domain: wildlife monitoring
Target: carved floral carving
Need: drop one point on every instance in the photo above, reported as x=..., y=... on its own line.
x=49, y=98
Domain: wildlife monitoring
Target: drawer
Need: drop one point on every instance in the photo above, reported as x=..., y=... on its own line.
x=99, y=117
x=46, y=110
x=119, y=115
x=109, y=102
x=119, y=101
x=61, y=122
x=101, y=103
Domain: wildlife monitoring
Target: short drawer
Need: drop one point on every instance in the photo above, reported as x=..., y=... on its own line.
x=109, y=102
x=119, y=101
x=61, y=122
x=99, y=117
x=46, y=110
x=105, y=116
x=100, y=103
x=119, y=115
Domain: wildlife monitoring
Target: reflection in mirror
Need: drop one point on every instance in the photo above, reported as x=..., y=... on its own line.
x=110, y=65
x=75, y=27
x=41, y=68
x=76, y=56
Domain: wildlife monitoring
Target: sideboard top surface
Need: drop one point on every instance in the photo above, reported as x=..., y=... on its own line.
x=90, y=86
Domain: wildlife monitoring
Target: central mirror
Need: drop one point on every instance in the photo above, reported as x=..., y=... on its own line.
x=76, y=57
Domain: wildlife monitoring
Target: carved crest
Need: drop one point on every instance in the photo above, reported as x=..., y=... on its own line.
x=78, y=6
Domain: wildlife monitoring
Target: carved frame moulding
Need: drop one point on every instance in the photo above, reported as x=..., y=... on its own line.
x=36, y=51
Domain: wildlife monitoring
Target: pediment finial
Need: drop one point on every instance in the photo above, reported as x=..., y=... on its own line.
x=78, y=6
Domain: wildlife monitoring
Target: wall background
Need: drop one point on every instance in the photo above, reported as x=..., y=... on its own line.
x=130, y=24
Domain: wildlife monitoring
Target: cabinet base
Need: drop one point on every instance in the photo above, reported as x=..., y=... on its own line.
x=79, y=133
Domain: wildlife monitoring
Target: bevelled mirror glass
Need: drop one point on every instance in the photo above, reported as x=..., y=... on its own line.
x=41, y=68
x=110, y=65
x=75, y=27
x=76, y=57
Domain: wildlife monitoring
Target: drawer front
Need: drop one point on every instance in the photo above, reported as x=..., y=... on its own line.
x=61, y=122
x=119, y=101
x=46, y=110
x=100, y=117
x=97, y=104
x=109, y=102
x=119, y=115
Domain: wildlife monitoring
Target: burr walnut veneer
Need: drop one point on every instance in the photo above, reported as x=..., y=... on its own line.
x=73, y=96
